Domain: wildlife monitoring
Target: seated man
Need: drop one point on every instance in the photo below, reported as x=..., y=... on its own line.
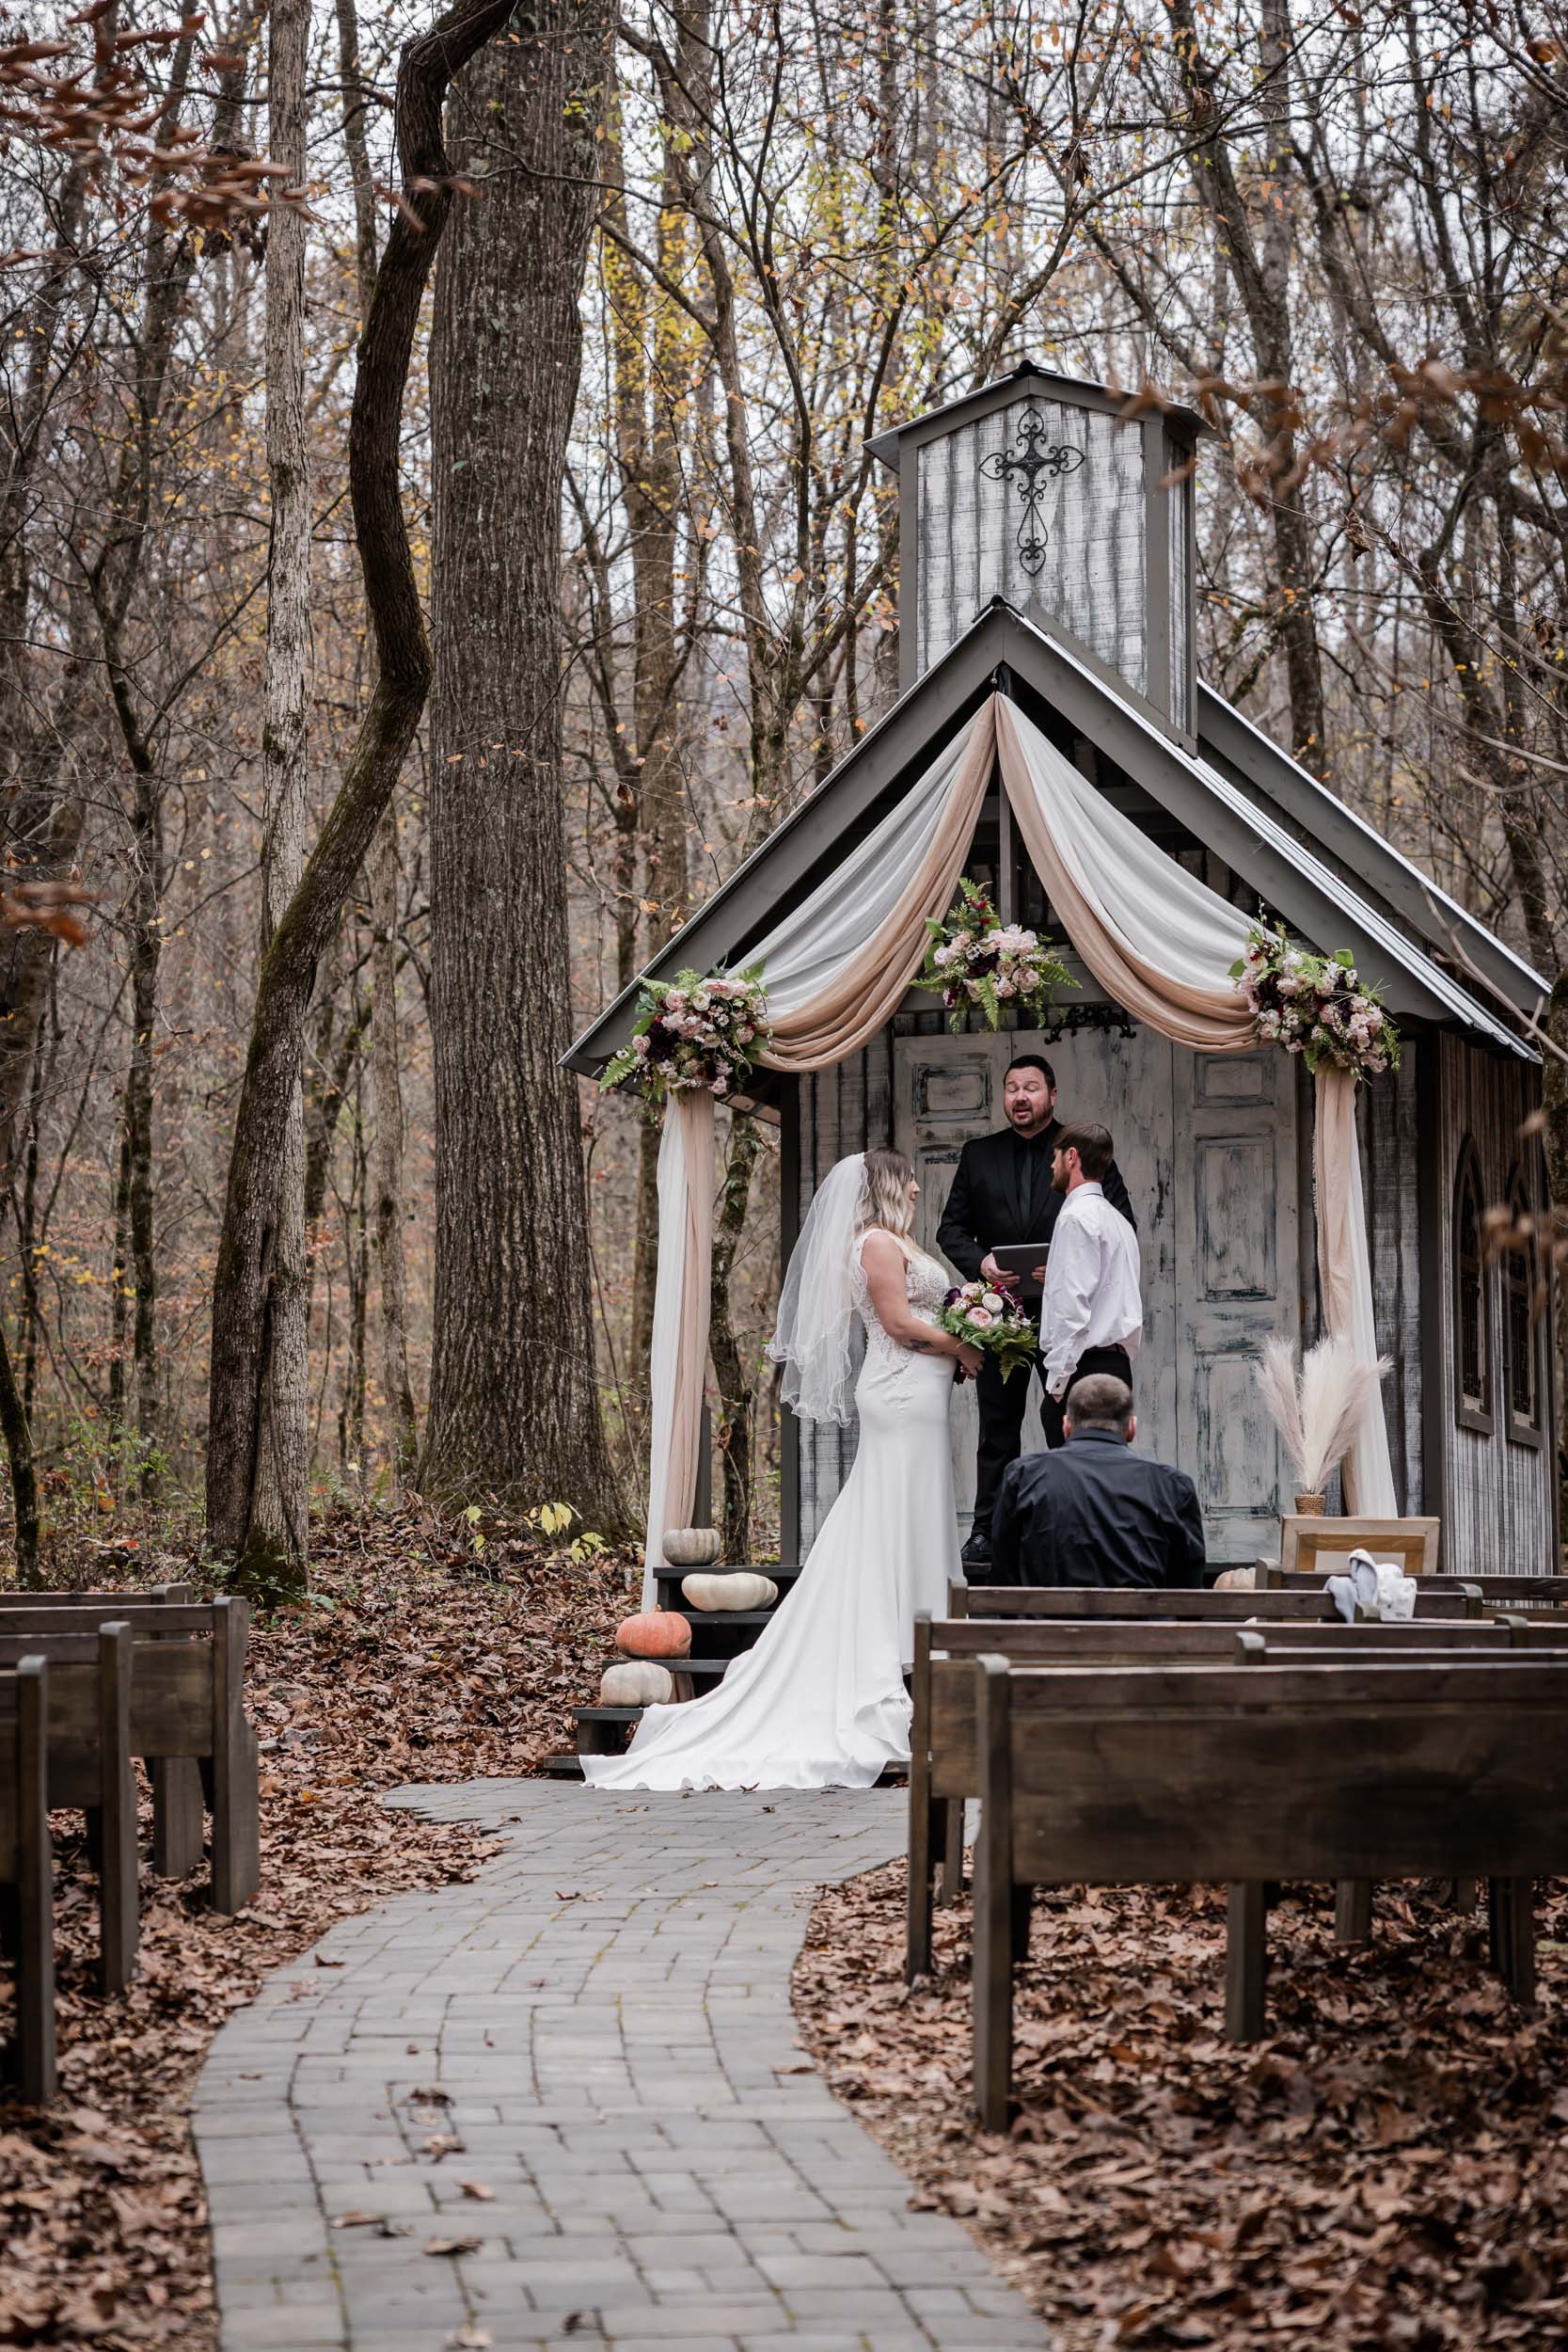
x=1094, y=1512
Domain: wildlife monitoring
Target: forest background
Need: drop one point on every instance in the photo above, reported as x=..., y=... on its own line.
x=423, y=578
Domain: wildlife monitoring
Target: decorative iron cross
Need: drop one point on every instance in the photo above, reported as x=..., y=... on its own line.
x=1032, y=463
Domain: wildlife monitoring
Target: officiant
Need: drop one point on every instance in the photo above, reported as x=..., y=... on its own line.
x=1002, y=1194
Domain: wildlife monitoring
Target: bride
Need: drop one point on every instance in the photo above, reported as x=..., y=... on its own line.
x=820, y=1701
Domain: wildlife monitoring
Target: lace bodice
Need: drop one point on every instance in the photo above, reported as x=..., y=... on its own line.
x=926, y=1286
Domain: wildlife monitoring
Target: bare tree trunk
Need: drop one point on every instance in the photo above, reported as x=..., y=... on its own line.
x=1257, y=243
x=146, y=955
x=381, y=875
x=403, y=1430
x=513, y=1401
x=243, y=1283
x=19, y=1450
x=278, y=1537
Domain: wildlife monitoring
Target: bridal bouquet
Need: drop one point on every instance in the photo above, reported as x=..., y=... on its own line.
x=990, y=1321
x=977, y=959
x=1315, y=1006
x=694, y=1031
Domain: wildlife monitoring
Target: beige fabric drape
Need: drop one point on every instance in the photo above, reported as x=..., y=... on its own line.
x=683, y=1302
x=1345, y=1274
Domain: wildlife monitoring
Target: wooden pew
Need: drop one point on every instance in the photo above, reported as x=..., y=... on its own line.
x=27, y=1874
x=1119, y=1605
x=186, y=1703
x=177, y=1799
x=89, y=1769
x=943, y=1762
x=1137, y=1775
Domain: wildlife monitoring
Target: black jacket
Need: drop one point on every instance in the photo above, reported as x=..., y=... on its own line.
x=997, y=1178
x=1095, y=1513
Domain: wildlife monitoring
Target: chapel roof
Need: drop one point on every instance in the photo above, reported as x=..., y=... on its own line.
x=1079, y=391
x=1329, y=875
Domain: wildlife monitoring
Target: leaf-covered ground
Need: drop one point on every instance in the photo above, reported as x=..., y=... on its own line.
x=1389, y=2170
x=417, y=1661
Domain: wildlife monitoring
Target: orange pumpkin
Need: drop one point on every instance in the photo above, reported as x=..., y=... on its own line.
x=654, y=1633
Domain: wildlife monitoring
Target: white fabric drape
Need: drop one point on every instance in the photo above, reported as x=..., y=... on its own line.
x=1160, y=941
x=683, y=1302
x=1345, y=1275
x=1138, y=894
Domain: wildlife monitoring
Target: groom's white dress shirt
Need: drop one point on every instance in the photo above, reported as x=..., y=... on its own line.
x=1093, y=1293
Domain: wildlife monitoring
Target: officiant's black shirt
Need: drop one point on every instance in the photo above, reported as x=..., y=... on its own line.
x=1095, y=1513
x=1002, y=1192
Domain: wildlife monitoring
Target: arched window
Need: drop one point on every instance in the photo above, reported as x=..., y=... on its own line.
x=1472, y=1299
x=1521, y=1321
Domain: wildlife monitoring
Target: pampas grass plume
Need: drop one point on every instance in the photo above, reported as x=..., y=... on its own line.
x=1317, y=1413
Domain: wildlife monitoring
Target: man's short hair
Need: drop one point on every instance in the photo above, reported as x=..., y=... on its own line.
x=1094, y=1146
x=1031, y=1061
x=1099, y=1401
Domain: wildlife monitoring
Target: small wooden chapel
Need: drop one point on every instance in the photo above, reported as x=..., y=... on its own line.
x=1047, y=552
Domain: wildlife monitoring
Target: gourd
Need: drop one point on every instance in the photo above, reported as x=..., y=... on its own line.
x=654, y=1633
x=637, y=1682
x=691, y=1546
x=745, y=1590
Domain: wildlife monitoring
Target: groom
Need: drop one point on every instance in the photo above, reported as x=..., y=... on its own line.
x=1003, y=1193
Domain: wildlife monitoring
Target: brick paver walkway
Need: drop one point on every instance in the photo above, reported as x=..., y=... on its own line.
x=596, y=2032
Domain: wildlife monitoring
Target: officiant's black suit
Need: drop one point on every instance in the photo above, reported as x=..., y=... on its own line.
x=1002, y=1194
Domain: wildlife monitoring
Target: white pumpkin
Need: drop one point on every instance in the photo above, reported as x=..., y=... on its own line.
x=691, y=1546
x=637, y=1682
x=744, y=1589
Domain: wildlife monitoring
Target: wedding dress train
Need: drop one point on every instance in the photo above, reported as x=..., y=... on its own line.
x=820, y=1702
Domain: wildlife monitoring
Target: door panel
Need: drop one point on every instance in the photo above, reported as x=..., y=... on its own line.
x=1237, y=1283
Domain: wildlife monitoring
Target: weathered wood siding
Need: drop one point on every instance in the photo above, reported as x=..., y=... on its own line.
x=1390, y=1153
x=1498, y=1517
x=1092, y=580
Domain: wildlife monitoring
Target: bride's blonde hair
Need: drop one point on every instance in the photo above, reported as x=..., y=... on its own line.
x=885, y=1200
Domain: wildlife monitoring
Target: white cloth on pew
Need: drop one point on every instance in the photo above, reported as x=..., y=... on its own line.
x=1377, y=1587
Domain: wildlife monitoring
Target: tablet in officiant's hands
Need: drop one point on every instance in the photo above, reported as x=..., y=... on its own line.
x=1020, y=1259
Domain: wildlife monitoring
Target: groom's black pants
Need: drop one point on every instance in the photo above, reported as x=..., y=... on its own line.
x=1003, y=1405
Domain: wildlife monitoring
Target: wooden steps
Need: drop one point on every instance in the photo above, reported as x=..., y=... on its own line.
x=725, y=1634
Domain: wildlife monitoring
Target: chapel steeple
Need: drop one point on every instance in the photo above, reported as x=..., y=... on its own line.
x=1036, y=489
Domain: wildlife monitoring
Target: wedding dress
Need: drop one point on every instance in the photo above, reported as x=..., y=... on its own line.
x=820, y=1702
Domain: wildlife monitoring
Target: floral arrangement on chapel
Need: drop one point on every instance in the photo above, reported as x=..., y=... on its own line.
x=990, y=1321
x=696, y=1030
x=973, y=958
x=1315, y=1006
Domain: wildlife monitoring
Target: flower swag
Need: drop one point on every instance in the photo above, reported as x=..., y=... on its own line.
x=696, y=1030
x=1315, y=1006
x=973, y=958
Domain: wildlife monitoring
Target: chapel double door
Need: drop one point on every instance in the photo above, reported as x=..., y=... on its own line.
x=1208, y=1146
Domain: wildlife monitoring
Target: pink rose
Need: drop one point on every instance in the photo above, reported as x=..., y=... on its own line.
x=981, y=1317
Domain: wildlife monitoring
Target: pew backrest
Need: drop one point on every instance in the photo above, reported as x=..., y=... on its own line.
x=1134, y=1605
x=23, y=1703
x=109, y=1604
x=946, y=1716
x=27, y=1868
x=1323, y=1770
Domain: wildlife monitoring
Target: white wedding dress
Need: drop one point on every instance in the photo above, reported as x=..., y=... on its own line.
x=820, y=1702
